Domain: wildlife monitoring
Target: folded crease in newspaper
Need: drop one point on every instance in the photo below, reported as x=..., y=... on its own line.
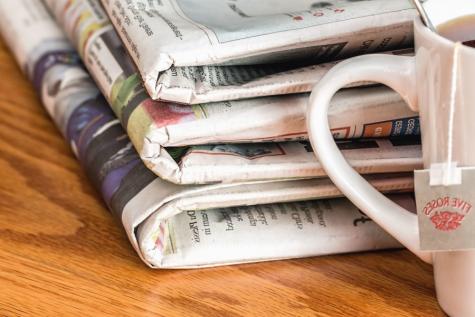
x=204, y=234
x=205, y=84
x=155, y=126
x=271, y=161
x=173, y=42
x=158, y=215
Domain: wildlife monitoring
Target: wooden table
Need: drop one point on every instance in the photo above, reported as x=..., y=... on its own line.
x=62, y=253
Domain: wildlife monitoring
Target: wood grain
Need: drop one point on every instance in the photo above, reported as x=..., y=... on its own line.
x=63, y=254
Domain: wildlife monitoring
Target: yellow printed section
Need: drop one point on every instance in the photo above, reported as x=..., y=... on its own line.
x=138, y=126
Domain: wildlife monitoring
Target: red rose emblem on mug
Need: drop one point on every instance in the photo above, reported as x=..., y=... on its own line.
x=444, y=219
x=447, y=220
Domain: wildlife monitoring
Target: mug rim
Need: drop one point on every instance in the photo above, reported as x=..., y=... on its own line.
x=421, y=29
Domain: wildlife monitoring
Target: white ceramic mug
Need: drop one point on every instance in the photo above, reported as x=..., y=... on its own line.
x=424, y=81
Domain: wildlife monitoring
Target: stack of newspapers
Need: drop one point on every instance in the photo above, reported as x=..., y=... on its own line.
x=190, y=118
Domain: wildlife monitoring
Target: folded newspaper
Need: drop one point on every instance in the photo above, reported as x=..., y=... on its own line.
x=152, y=125
x=182, y=226
x=272, y=161
x=171, y=40
x=205, y=84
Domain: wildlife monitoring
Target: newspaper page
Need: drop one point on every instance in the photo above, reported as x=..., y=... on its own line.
x=140, y=199
x=228, y=163
x=152, y=125
x=160, y=35
x=153, y=220
x=205, y=84
x=242, y=234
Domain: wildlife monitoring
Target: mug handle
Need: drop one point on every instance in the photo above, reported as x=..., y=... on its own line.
x=397, y=72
